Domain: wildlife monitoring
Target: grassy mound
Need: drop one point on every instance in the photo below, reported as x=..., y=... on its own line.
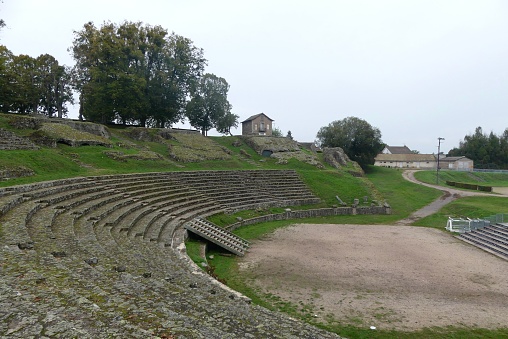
x=62, y=133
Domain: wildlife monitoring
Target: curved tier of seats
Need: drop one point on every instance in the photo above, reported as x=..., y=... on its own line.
x=99, y=257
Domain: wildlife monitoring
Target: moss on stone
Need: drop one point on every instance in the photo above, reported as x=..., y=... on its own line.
x=70, y=136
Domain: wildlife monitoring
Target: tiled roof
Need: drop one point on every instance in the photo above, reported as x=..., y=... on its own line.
x=453, y=159
x=405, y=157
x=399, y=149
x=255, y=116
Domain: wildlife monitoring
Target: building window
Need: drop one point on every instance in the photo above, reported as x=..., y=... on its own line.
x=255, y=127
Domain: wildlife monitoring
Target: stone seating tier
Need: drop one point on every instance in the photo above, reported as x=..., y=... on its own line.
x=100, y=257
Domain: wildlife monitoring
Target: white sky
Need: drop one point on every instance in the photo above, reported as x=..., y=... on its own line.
x=417, y=70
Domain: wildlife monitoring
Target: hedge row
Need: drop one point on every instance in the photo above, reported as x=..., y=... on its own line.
x=469, y=186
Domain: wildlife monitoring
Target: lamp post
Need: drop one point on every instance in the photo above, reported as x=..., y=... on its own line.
x=438, y=152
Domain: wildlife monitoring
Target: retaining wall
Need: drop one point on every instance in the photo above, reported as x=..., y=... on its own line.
x=319, y=212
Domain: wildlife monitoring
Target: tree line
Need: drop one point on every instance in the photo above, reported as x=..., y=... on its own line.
x=34, y=85
x=126, y=73
x=488, y=151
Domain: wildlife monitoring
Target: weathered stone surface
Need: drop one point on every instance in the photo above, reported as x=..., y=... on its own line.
x=64, y=133
x=335, y=157
x=11, y=141
x=274, y=144
x=51, y=291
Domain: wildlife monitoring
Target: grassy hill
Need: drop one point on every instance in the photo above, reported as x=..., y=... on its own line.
x=477, y=178
x=130, y=149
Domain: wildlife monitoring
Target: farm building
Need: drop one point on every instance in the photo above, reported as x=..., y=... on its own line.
x=456, y=163
x=419, y=161
x=423, y=161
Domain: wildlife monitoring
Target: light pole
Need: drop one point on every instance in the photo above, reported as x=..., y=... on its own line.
x=438, y=152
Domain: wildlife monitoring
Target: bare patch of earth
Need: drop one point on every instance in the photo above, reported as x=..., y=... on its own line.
x=500, y=190
x=391, y=277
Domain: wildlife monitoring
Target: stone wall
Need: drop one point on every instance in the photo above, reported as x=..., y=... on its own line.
x=319, y=212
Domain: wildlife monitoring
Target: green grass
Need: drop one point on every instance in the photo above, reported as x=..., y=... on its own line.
x=47, y=165
x=478, y=178
x=471, y=207
x=403, y=196
x=327, y=184
x=193, y=249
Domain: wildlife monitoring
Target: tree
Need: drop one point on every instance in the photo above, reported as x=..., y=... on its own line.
x=225, y=123
x=359, y=140
x=487, y=151
x=134, y=73
x=276, y=132
x=55, y=86
x=209, y=103
x=6, y=80
x=33, y=85
x=26, y=86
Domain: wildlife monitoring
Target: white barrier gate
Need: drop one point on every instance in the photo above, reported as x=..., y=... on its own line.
x=462, y=225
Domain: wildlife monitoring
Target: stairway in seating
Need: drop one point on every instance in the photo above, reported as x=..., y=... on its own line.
x=11, y=141
x=217, y=235
x=493, y=239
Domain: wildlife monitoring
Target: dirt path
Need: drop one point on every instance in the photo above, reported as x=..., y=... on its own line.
x=391, y=277
x=449, y=195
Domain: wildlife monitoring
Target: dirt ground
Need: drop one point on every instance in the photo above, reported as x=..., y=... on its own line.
x=399, y=277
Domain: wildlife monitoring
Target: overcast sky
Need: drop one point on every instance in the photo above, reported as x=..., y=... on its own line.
x=417, y=70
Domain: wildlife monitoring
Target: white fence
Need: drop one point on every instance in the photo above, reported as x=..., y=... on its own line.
x=461, y=225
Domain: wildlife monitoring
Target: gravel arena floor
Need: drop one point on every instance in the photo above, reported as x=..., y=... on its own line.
x=391, y=277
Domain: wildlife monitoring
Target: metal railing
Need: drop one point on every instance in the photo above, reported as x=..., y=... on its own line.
x=498, y=218
x=462, y=225
x=489, y=170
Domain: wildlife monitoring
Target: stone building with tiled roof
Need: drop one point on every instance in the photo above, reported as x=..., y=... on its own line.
x=259, y=124
x=423, y=161
x=419, y=161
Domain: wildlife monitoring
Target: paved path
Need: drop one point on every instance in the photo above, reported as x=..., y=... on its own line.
x=449, y=195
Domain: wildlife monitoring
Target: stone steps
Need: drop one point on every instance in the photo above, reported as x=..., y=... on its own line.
x=487, y=240
x=65, y=256
x=11, y=141
x=98, y=257
x=217, y=235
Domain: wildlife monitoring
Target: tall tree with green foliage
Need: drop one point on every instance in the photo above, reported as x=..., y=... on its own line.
x=134, y=74
x=6, y=80
x=487, y=151
x=209, y=103
x=33, y=85
x=225, y=123
x=26, y=84
x=55, y=86
x=359, y=140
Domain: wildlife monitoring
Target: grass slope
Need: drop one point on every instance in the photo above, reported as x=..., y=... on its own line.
x=477, y=178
